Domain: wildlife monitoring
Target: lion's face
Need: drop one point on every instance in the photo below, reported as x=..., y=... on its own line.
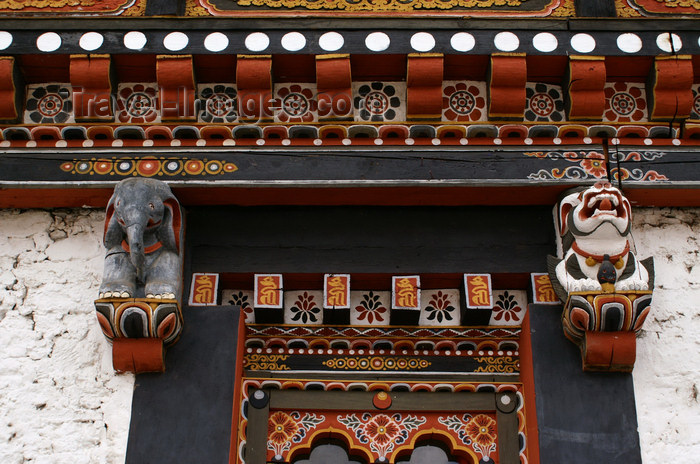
x=583, y=213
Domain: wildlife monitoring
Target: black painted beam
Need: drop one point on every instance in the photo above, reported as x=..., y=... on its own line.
x=165, y=8
x=183, y=416
x=582, y=417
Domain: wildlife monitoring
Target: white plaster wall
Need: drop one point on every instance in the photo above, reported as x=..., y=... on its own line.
x=667, y=371
x=60, y=400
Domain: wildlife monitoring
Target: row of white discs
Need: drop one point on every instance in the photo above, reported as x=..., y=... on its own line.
x=333, y=41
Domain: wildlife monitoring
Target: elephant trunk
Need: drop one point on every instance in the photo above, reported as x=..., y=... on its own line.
x=134, y=234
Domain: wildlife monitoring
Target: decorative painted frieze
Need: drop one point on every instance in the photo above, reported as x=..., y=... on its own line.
x=379, y=101
x=139, y=301
x=606, y=288
x=295, y=103
x=49, y=104
x=217, y=103
x=370, y=307
x=695, y=110
x=509, y=307
x=303, y=307
x=204, y=289
x=545, y=103
x=464, y=101
x=242, y=298
x=542, y=290
x=137, y=103
x=440, y=308
x=477, y=299
x=625, y=102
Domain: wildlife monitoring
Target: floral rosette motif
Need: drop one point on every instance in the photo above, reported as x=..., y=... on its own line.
x=381, y=431
x=625, y=102
x=378, y=101
x=283, y=429
x=695, y=110
x=481, y=429
x=463, y=101
x=296, y=104
x=371, y=309
x=239, y=298
x=305, y=309
x=440, y=308
x=506, y=309
x=545, y=103
x=218, y=103
x=138, y=103
x=49, y=104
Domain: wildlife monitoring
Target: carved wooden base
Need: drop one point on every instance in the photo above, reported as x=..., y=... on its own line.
x=604, y=326
x=139, y=330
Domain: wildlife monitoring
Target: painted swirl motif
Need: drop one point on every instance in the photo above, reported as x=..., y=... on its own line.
x=266, y=362
x=499, y=365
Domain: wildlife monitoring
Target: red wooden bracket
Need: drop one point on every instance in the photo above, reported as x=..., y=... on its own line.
x=586, y=87
x=254, y=79
x=507, y=79
x=176, y=88
x=424, y=86
x=92, y=88
x=138, y=355
x=609, y=351
x=334, y=85
x=669, y=89
x=8, y=90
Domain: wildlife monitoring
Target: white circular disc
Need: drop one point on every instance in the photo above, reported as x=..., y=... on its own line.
x=462, y=41
x=629, y=43
x=135, y=40
x=422, y=42
x=175, y=41
x=506, y=41
x=377, y=41
x=257, y=41
x=583, y=43
x=216, y=42
x=91, y=41
x=545, y=42
x=668, y=42
x=331, y=41
x=48, y=42
x=293, y=41
x=5, y=40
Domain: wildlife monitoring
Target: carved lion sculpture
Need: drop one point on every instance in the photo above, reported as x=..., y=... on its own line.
x=598, y=250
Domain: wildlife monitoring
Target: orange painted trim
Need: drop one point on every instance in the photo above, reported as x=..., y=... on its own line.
x=527, y=378
x=8, y=92
x=237, y=390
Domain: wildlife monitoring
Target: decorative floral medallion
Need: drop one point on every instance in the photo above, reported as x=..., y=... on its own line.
x=695, y=110
x=379, y=101
x=242, y=298
x=138, y=103
x=284, y=429
x=148, y=167
x=369, y=308
x=218, y=103
x=464, y=101
x=296, y=103
x=509, y=308
x=49, y=104
x=545, y=103
x=382, y=431
x=590, y=165
x=625, y=102
x=303, y=308
x=439, y=307
x=479, y=431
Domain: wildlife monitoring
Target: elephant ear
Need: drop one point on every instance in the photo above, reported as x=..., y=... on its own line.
x=111, y=235
x=172, y=224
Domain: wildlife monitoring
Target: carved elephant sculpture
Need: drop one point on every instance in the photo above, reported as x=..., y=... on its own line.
x=143, y=231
